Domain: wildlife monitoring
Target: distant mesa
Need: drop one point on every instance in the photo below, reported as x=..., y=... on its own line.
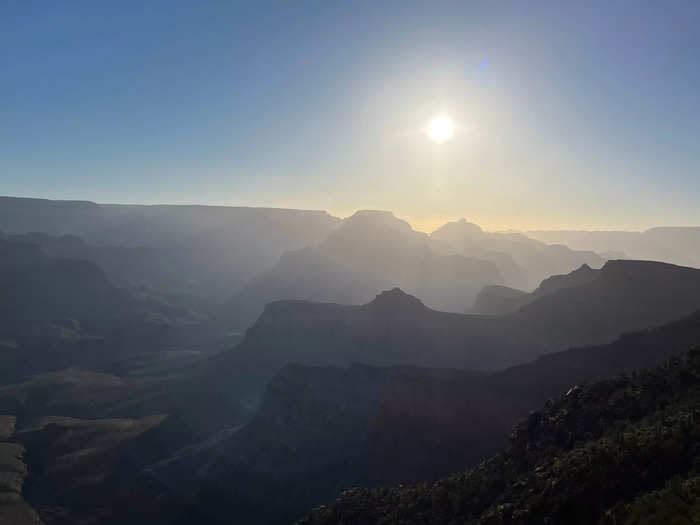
x=204, y=251
x=462, y=227
x=376, y=218
x=524, y=262
x=397, y=300
x=676, y=245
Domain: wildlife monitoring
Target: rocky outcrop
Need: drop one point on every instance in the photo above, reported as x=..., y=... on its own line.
x=13, y=472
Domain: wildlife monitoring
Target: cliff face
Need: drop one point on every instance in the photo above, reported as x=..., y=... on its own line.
x=320, y=430
x=314, y=420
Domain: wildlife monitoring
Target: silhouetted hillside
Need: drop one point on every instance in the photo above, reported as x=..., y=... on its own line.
x=500, y=300
x=579, y=460
x=677, y=245
x=535, y=260
x=624, y=296
x=369, y=252
x=203, y=250
x=398, y=330
x=323, y=429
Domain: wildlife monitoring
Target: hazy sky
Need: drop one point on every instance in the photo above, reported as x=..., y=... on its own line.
x=569, y=114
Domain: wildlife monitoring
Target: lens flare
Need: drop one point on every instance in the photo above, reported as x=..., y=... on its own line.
x=440, y=129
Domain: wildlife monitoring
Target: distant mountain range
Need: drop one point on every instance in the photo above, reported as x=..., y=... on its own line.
x=678, y=245
x=534, y=260
x=397, y=329
x=247, y=257
x=369, y=252
x=251, y=256
x=202, y=250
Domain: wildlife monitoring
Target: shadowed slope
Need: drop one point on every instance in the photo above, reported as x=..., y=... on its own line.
x=323, y=429
x=56, y=313
x=623, y=296
x=571, y=462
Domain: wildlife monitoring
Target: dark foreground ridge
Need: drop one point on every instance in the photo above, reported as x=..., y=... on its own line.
x=623, y=450
x=585, y=307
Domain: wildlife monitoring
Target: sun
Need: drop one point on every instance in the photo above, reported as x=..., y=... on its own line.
x=440, y=129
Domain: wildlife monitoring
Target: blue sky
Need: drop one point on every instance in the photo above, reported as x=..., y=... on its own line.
x=568, y=114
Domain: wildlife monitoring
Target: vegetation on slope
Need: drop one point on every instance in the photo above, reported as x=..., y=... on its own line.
x=582, y=459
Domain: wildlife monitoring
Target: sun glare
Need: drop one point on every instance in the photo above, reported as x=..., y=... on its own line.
x=440, y=129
